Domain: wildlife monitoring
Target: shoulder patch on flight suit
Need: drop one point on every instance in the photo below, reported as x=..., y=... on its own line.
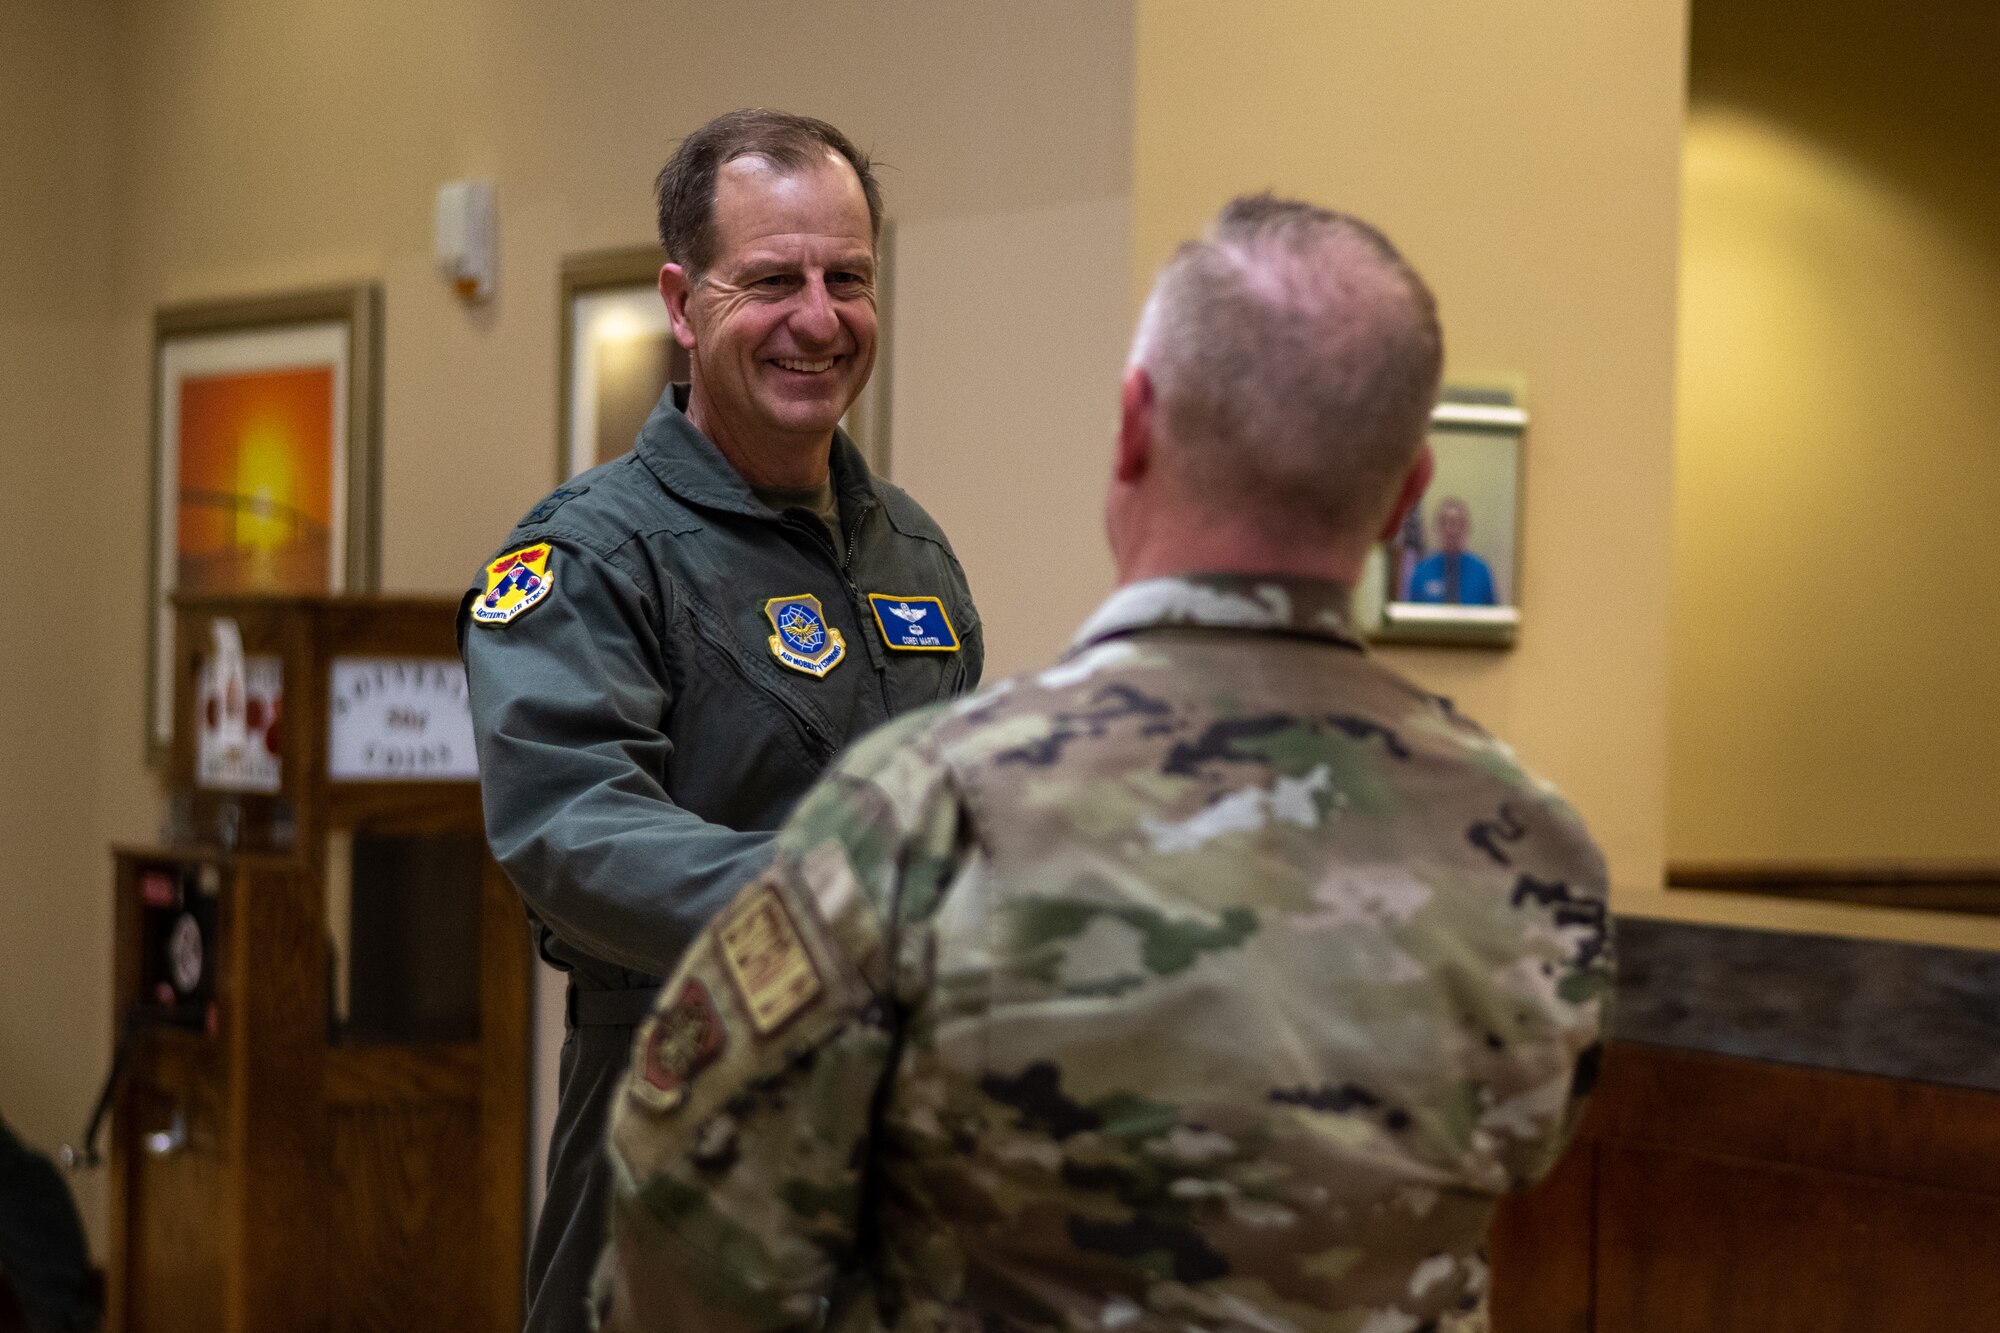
x=914, y=624
x=804, y=641
x=516, y=581
x=680, y=1041
x=553, y=501
x=772, y=969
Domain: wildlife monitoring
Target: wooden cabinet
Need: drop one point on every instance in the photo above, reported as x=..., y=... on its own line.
x=1708, y=1194
x=325, y=985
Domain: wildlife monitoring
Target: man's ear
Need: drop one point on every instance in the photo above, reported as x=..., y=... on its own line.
x=1415, y=482
x=1137, y=411
x=675, y=290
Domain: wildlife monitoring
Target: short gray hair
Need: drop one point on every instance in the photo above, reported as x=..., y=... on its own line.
x=1295, y=358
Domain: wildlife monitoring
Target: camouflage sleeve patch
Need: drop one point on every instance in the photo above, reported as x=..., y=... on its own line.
x=677, y=1043
x=774, y=972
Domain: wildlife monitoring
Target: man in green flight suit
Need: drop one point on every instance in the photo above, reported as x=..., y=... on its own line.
x=1214, y=978
x=671, y=647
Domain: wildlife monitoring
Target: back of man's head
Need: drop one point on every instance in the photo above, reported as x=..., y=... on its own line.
x=685, y=187
x=1294, y=357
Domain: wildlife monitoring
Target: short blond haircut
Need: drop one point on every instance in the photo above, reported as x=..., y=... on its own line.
x=1295, y=358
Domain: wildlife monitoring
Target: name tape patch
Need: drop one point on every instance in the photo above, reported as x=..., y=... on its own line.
x=914, y=624
x=768, y=962
x=516, y=581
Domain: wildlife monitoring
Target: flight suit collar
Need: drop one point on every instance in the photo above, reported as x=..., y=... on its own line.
x=688, y=464
x=1313, y=608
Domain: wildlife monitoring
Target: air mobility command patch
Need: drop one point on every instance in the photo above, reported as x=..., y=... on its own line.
x=914, y=624
x=681, y=1040
x=804, y=641
x=761, y=948
x=515, y=582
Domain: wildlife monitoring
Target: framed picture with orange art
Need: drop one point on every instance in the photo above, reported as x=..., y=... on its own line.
x=266, y=423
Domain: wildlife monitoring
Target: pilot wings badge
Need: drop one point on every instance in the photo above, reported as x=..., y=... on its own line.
x=914, y=624
x=804, y=641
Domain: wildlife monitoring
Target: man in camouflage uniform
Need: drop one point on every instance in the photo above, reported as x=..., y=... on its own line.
x=1215, y=978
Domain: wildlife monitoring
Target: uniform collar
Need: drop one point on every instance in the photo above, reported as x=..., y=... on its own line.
x=1314, y=608
x=688, y=463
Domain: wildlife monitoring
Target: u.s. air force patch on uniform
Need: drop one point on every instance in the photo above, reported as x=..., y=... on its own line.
x=914, y=624
x=773, y=971
x=804, y=641
x=680, y=1041
x=515, y=582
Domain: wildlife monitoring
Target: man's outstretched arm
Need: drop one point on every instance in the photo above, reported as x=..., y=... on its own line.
x=744, y=1137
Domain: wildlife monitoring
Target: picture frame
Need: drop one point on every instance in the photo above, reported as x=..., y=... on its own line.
x=266, y=430
x=618, y=354
x=1452, y=574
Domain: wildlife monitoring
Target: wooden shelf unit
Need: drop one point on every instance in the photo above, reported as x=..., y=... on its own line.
x=272, y=1168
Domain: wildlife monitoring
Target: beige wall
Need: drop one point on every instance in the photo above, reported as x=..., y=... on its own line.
x=55, y=284
x=1015, y=359
x=278, y=144
x=264, y=147
x=1526, y=163
x=1837, y=586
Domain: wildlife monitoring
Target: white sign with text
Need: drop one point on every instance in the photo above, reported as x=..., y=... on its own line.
x=399, y=719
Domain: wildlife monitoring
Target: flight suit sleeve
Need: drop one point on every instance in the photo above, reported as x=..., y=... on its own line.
x=974, y=649
x=743, y=1141
x=567, y=698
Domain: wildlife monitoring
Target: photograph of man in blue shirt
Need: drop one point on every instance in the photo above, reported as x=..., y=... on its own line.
x=1452, y=574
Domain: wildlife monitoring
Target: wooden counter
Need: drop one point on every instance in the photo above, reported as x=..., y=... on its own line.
x=1711, y=1193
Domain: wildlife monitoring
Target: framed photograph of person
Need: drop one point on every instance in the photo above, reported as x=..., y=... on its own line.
x=1451, y=575
x=266, y=422
x=619, y=354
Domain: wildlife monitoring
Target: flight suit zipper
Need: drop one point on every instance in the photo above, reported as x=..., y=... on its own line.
x=862, y=615
x=856, y=605
x=727, y=650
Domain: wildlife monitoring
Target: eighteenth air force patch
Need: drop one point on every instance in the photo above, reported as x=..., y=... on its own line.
x=515, y=582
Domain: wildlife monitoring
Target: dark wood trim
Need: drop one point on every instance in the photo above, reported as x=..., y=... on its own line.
x=1927, y=886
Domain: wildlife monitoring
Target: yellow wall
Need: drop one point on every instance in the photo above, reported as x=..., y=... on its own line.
x=1529, y=165
x=1836, y=617
x=153, y=154
x=55, y=283
x=1526, y=162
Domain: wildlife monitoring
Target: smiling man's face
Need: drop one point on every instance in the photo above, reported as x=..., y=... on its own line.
x=781, y=329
